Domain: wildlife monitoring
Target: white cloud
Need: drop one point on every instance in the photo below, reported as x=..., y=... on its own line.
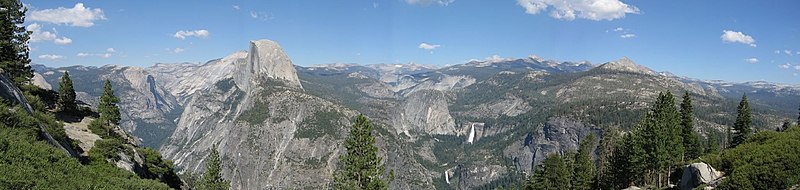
x=51, y=57
x=427, y=46
x=429, y=2
x=627, y=36
x=101, y=55
x=62, y=41
x=261, y=16
x=787, y=52
x=785, y=66
x=751, y=60
x=737, y=37
x=777, y=51
x=585, y=9
x=236, y=7
x=618, y=29
x=177, y=50
x=196, y=33
x=38, y=35
x=75, y=16
x=111, y=50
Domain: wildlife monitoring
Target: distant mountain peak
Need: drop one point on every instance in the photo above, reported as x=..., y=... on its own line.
x=628, y=65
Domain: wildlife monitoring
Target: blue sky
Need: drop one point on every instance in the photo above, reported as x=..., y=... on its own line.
x=732, y=40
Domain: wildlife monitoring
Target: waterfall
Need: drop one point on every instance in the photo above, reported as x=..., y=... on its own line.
x=471, y=136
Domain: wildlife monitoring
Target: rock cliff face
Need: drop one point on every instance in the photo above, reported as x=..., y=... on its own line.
x=265, y=60
x=270, y=133
x=556, y=136
x=148, y=109
x=425, y=112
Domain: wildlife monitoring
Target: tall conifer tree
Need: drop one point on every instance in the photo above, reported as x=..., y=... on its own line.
x=109, y=112
x=360, y=167
x=14, y=57
x=691, y=143
x=66, y=94
x=743, y=123
x=584, y=169
x=212, y=179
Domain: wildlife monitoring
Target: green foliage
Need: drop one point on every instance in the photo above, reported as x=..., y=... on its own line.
x=35, y=102
x=663, y=143
x=743, y=123
x=628, y=163
x=14, y=57
x=360, y=167
x=27, y=162
x=257, y=114
x=212, y=179
x=691, y=142
x=109, y=112
x=108, y=149
x=646, y=155
x=66, y=95
x=766, y=160
x=324, y=122
x=554, y=173
x=712, y=143
x=606, y=150
x=158, y=168
x=584, y=169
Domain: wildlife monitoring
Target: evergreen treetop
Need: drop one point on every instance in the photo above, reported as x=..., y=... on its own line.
x=743, y=123
x=109, y=112
x=584, y=169
x=552, y=174
x=212, y=179
x=360, y=167
x=66, y=94
x=14, y=57
x=691, y=142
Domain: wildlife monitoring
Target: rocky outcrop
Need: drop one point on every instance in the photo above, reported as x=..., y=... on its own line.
x=148, y=110
x=39, y=81
x=556, y=136
x=626, y=64
x=11, y=93
x=424, y=112
x=184, y=79
x=697, y=174
x=265, y=60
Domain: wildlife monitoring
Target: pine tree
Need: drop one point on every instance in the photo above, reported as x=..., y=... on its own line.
x=66, y=94
x=664, y=144
x=728, y=137
x=743, y=123
x=605, y=176
x=360, y=167
x=14, y=57
x=584, y=169
x=712, y=143
x=798, y=117
x=109, y=112
x=629, y=162
x=212, y=179
x=553, y=174
x=691, y=143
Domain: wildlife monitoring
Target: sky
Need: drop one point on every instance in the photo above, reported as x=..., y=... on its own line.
x=733, y=40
